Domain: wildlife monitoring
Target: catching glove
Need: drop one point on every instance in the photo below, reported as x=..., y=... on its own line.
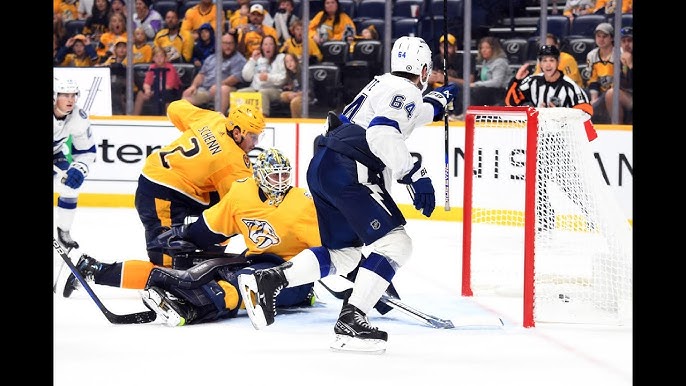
x=76, y=173
x=420, y=188
x=440, y=97
x=172, y=241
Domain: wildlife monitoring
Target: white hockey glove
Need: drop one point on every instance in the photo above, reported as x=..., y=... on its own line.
x=420, y=188
x=75, y=175
x=440, y=97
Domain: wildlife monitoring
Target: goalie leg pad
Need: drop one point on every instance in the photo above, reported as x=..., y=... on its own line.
x=191, y=278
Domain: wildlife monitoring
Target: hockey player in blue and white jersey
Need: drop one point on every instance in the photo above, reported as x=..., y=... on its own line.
x=69, y=119
x=350, y=176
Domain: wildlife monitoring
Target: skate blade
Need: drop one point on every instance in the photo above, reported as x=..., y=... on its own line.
x=168, y=316
x=255, y=312
x=345, y=343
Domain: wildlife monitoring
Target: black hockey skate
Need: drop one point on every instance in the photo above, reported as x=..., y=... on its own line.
x=65, y=239
x=259, y=292
x=172, y=310
x=88, y=267
x=354, y=333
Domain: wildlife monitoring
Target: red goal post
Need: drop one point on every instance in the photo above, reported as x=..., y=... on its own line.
x=539, y=221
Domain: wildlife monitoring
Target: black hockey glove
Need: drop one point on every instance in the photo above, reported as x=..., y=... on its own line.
x=420, y=188
x=172, y=241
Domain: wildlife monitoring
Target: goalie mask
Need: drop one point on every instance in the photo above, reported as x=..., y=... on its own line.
x=272, y=171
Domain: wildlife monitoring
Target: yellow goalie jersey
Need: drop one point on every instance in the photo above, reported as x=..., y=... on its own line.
x=284, y=230
x=203, y=159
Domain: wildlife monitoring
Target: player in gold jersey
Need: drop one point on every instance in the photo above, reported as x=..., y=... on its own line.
x=193, y=172
x=276, y=220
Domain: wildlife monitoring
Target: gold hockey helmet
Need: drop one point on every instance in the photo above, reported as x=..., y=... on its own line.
x=247, y=118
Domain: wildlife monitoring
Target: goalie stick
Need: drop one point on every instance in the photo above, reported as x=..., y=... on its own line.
x=337, y=285
x=135, y=318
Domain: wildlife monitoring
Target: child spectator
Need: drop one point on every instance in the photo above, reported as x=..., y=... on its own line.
x=204, y=46
x=142, y=50
x=160, y=70
x=294, y=45
x=78, y=52
x=369, y=33
x=291, y=93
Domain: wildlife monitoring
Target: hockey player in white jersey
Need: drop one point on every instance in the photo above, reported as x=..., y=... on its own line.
x=350, y=176
x=69, y=119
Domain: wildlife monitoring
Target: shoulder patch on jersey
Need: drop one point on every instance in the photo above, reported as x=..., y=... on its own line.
x=83, y=114
x=246, y=161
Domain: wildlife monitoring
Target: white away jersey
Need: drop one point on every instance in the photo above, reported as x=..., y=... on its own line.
x=78, y=126
x=399, y=101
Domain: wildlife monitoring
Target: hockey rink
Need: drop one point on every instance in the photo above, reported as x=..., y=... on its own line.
x=89, y=350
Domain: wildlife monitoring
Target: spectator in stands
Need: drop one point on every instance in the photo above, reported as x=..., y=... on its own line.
x=142, y=50
x=116, y=30
x=148, y=18
x=574, y=8
x=493, y=74
x=266, y=72
x=607, y=7
x=204, y=46
x=176, y=43
x=65, y=10
x=250, y=35
x=567, y=63
x=294, y=45
x=203, y=12
x=283, y=19
x=99, y=20
x=368, y=33
x=626, y=79
x=86, y=8
x=292, y=93
x=455, y=72
x=241, y=16
x=118, y=6
x=331, y=23
x=600, y=65
x=77, y=52
x=203, y=88
x=116, y=61
x=161, y=69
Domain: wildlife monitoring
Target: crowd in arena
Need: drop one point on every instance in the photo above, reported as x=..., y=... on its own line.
x=262, y=49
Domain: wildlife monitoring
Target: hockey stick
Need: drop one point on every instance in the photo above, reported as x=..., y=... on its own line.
x=445, y=113
x=60, y=172
x=138, y=317
x=337, y=285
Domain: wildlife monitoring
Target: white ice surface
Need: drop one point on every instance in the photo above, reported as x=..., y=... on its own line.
x=88, y=350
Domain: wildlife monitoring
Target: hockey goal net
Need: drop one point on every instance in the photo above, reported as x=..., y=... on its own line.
x=539, y=220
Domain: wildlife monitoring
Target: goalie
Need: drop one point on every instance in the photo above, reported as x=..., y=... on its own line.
x=276, y=220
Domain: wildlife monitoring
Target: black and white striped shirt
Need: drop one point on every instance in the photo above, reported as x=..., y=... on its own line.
x=536, y=91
